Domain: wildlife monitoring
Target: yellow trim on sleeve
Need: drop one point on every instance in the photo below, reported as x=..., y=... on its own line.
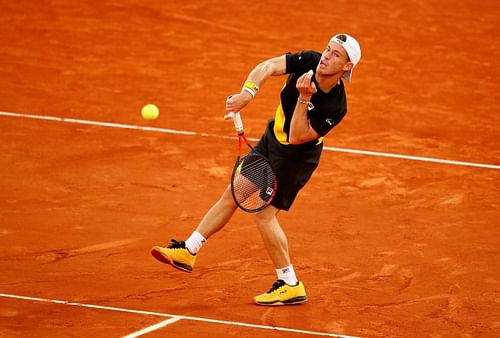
x=279, y=124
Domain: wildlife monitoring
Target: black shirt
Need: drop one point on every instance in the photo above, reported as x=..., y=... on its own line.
x=329, y=108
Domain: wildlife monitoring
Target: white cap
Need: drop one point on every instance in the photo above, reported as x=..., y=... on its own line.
x=352, y=48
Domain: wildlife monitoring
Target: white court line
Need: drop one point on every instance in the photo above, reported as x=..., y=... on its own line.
x=414, y=158
x=193, y=133
x=178, y=317
x=152, y=328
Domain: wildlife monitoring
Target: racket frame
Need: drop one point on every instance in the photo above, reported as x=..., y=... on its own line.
x=238, y=126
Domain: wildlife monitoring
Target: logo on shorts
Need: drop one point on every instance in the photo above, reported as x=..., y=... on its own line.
x=329, y=121
x=269, y=191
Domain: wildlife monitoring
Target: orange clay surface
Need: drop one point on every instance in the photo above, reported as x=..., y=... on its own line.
x=385, y=247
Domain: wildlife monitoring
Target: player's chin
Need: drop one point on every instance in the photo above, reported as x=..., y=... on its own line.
x=321, y=71
x=326, y=72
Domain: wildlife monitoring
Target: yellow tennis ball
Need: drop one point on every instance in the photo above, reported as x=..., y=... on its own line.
x=150, y=112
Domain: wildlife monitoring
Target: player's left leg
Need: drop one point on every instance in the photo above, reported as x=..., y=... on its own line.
x=287, y=289
x=273, y=236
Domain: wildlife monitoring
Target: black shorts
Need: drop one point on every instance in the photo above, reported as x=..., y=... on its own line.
x=292, y=164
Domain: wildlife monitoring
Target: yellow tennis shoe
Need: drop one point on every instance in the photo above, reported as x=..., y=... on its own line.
x=175, y=254
x=282, y=294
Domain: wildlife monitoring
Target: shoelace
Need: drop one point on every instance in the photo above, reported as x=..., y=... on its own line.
x=276, y=285
x=176, y=245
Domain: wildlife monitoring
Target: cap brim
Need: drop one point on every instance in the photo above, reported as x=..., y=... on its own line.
x=347, y=75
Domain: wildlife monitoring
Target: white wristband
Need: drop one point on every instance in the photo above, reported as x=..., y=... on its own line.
x=249, y=90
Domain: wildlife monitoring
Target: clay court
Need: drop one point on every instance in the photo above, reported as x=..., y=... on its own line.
x=396, y=235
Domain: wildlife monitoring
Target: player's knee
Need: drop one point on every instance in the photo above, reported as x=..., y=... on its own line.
x=265, y=217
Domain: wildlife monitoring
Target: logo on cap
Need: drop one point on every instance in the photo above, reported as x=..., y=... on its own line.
x=341, y=38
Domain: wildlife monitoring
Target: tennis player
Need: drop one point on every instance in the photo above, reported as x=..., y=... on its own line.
x=312, y=102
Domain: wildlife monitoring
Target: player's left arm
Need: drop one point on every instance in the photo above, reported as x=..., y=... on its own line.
x=301, y=130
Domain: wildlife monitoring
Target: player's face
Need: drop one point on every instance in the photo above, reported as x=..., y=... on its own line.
x=334, y=60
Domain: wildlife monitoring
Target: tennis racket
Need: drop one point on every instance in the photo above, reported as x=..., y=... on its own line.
x=253, y=182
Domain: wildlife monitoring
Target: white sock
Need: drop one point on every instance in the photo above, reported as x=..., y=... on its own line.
x=287, y=274
x=195, y=242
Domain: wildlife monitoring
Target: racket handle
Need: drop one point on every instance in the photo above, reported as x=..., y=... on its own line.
x=238, y=124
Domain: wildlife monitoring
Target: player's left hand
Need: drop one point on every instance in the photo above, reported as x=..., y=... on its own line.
x=306, y=86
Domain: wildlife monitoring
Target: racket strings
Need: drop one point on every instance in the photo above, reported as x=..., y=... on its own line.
x=255, y=167
x=254, y=182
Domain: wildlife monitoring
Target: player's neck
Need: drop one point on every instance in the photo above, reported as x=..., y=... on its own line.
x=326, y=83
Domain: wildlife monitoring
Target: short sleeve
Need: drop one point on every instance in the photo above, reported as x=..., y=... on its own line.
x=323, y=122
x=302, y=62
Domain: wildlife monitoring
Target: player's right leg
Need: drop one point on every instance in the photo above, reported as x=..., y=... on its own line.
x=218, y=215
x=182, y=255
x=175, y=254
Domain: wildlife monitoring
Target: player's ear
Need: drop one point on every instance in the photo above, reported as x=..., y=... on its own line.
x=348, y=66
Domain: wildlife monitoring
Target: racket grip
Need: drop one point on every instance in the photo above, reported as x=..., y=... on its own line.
x=238, y=124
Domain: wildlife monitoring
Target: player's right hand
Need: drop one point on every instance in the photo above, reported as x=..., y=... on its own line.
x=238, y=101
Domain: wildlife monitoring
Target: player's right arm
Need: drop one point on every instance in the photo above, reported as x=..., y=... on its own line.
x=271, y=67
x=255, y=79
